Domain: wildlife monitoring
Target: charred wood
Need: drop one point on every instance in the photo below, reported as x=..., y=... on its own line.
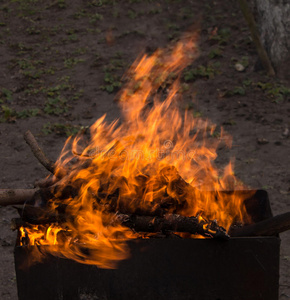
x=149, y=224
x=175, y=223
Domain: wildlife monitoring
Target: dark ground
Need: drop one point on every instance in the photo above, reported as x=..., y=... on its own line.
x=61, y=63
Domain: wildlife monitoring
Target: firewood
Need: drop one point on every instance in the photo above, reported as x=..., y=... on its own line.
x=16, y=196
x=38, y=152
x=168, y=222
x=172, y=192
x=268, y=227
x=149, y=224
x=175, y=223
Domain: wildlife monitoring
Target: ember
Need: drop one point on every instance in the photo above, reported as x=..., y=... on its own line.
x=153, y=172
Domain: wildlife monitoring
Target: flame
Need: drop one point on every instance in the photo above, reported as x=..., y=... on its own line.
x=156, y=158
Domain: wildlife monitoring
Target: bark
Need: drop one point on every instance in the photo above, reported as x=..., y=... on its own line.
x=273, y=18
x=248, y=15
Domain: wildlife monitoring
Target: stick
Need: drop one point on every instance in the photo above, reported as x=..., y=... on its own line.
x=256, y=38
x=38, y=153
x=268, y=227
x=16, y=196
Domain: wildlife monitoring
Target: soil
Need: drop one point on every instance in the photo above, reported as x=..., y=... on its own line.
x=61, y=63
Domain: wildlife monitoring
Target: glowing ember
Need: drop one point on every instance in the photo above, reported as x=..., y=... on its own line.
x=156, y=160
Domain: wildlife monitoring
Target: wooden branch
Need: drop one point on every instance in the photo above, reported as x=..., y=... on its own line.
x=268, y=227
x=248, y=15
x=16, y=196
x=38, y=153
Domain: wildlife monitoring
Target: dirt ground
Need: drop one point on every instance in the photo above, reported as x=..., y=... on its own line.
x=61, y=65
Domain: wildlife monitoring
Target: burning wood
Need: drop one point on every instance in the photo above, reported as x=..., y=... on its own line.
x=145, y=221
x=154, y=219
x=31, y=215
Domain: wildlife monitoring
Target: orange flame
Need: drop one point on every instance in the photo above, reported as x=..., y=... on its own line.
x=156, y=157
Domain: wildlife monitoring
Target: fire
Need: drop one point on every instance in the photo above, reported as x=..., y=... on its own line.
x=158, y=160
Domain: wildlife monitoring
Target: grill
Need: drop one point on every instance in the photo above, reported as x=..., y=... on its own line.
x=165, y=268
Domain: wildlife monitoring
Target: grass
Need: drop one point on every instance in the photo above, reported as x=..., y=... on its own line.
x=33, y=30
x=132, y=14
x=276, y=92
x=95, y=17
x=6, y=94
x=215, y=52
x=8, y=114
x=61, y=4
x=222, y=36
x=111, y=82
x=112, y=79
x=61, y=129
x=209, y=72
x=71, y=62
x=56, y=106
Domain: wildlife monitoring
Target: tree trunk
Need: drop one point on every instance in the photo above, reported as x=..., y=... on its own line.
x=273, y=18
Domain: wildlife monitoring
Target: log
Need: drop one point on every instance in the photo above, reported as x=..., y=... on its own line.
x=169, y=223
x=175, y=223
x=268, y=227
x=16, y=196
